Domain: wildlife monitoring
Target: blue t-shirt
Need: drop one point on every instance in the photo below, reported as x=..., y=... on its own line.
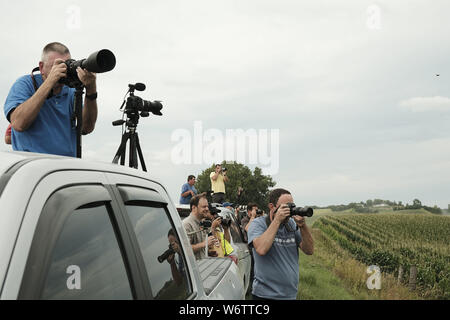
x=52, y=131
x=276, y=273
x=184, y=188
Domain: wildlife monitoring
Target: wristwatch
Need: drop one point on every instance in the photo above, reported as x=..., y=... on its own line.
x=92, y=96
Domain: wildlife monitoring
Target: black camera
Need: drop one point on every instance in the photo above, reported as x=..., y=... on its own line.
x=98, y=62
x=298, y=211
x=166, y=254
x=206, y=223
x=224, y=169
x=212, y=209
x=259, y=213
x=135, y=103
x=226, y=222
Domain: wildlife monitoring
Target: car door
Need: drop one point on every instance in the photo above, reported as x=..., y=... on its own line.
x=244, y=257
x=159, y=241
x=72, y=244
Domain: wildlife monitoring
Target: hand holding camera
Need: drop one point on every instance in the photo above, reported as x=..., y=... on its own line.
x=283, y=212
x=213, y=242
x=58, y=71
x=88, y=79
x=216, y=223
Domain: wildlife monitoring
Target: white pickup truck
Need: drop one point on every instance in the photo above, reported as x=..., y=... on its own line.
x=75, y=229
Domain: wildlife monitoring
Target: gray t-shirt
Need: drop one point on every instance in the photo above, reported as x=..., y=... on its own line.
x=276, y=273
x=191, y=225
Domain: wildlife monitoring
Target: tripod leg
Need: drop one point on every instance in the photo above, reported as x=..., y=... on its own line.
x=133, y=163
x=141, y=157
x=120, y=154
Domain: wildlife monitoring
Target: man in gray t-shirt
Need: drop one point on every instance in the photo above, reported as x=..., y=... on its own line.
x=275, y=241
x=197, y=237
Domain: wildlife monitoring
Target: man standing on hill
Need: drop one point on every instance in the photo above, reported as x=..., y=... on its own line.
x=218, y=179
x=275, y=240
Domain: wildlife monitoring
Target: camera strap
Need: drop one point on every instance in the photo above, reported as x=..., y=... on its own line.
x=35, y=85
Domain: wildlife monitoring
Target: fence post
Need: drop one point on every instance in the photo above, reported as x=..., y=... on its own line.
x=412, y=278
x=400, y=274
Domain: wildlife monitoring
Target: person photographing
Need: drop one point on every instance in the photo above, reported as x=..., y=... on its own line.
x=275, y=240
x=40, y=108
x=218, y=179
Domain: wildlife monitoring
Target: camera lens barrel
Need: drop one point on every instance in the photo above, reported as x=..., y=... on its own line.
x=165, y=255
x=298, y=211
x=98, y=62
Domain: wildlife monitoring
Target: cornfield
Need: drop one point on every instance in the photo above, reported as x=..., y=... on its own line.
x=393, y=240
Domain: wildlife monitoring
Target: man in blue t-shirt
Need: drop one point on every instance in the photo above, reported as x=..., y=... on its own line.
x=188, y=190
x=40, y=109
x=275, y=241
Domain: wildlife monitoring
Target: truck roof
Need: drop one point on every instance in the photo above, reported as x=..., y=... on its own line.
x=13, y=160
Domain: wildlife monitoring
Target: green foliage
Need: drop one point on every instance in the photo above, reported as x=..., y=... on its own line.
x=393, y=240
x=255, y=184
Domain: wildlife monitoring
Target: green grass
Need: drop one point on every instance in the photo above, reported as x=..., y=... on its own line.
x=319, y=283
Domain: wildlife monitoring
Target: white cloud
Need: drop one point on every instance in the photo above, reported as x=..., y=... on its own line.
x=425, y=104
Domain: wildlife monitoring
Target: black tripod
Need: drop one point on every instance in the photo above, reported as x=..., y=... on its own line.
x=78, y=116
x=135, y=147
x=135, y=108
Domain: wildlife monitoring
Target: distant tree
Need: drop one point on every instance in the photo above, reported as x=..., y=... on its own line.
x=255, y=185
x=377, y=201
x=417, y=204
x=369, y=203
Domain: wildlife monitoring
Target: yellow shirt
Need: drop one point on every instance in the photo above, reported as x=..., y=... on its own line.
x=219, y=184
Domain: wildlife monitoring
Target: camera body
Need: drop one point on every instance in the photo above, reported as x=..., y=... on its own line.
x=226, y=222
x=71, y=79
x=298, y=211
x=259, y=213
x=137, y=104
x=206, y=223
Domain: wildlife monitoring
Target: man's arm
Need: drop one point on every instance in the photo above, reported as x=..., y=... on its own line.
x=253, y=217
x=226, y=234
x=263, y=243
x=24, y=115
x=185, y=191
x=90, y=109
x=248, y=224
x=215, y=176
x=201, y=245
x=307, y=244
x=185, y=194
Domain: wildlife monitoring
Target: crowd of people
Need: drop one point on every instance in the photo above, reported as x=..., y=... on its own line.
x=274, y=238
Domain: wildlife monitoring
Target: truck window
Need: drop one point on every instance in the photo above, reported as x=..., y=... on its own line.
x=161, y=249
x=86, y=262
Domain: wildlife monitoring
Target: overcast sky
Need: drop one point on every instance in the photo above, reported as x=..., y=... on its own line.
x=351, y=87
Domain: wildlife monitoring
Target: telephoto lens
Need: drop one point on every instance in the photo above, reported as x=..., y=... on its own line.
x=98, y=62
x=166, y=254
x=298, y=211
